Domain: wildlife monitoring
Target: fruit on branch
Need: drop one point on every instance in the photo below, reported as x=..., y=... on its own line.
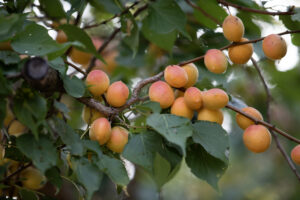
x=79, y=56
x=178, y=93
x=257, y=138
x=32, y=178
x=240, y=54
x=111, y=64
x=90, y=114
x=61, y=37
x=206, y=114
x=100, y=130
x=274, y=46
x=245, y=122
x=16, y=128
x=97, y=82
x=5, y=46
x=215, y=61
x=180, y=108
x=214, y=98
x=295, y=154
x=193, y=98
x=162, y=93
x=175, y=76
x=117, y=94
x=118, y=139
x=192, y=73
x=233, y=28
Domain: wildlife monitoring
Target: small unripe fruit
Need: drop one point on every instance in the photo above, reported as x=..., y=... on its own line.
x=100, y=130
x=178, y=93
x=118, y=139
x=274, y=46
x=257, y=138
x=233, y=28
x=5, y=46
x=16, y=128
x=193, y=74
x=162, y=93
x=175, y=76
x=210, y=115
x=245, y=122
x=79, y=56
x=295, y=154
x=180, y=108
x=89, y=114
x=193, y=98
x=61, y=37
x=32, y=178
x=242, y=53
x=215, y=61
x=117, y=94
x=97, y=82
x=214, y=98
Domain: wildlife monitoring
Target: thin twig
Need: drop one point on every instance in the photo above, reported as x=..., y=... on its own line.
x=75, y=67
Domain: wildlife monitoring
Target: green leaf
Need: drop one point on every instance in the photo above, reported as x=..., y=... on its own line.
x=13, y=153
x=296, y=39
x=132, y=39
x=289, y=23
x=53, y=9
x=296, y=16
x=151, y=106
x=252, y=30
x=42, y=152
x=108, y=5
x=76, y=5
x=93, y=146
x=74, y=86
x=9, y=57
x=9, y=25
x=175, y=129
x=28, y=194
x=61, y=107
x=213, y=138
x=205, y=166
x=162, y=169
x=5, y=89
x=59, y=65
x=53, y=176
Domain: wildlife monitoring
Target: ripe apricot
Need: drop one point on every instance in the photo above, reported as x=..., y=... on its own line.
x=5, y=46
x=162, y=93
x=210, y=115
x=117, y=94
x=180, y=108
x=245, y=122
x=233, y=28
x=295, y=154
x=257, y=138
x=89, y=114
x=118, y=139
x=175, y=76
x=32, y=178
x=61, y=37
x=79, y=56
x=274, y=46
x=100, y=130
x=214, y=98
x=215, y=61
x=97, y=82
x=242, y=53
x=16, y=128
x=192, y=73
x=193, y=98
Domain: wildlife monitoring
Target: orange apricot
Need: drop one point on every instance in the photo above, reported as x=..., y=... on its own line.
x=274, y=46
x=215, y=61
x=240, y=54
x=295, y=154
x=97, y=82
x=193, y=98
x=214, y=98
x=118, y=139
x=210, y=115
x=233, y=28
x=257, y=138
x=61, y=37
x=100, y=130
x=117, y=94
x=175, y=76
x=89, y=114
x=180, y=108
x=192, y=73
x=245, y=122
x=162, y=93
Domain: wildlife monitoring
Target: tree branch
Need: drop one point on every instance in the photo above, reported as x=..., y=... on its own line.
x=16, y=172
x=75, y=67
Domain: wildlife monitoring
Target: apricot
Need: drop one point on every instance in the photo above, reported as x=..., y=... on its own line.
x=110, y=60
x=79, y=56
x=295, y=154
x=233, y=28
x=117, y=94
x=5, y=46
x=16, y=128
x=242, y=53
x=61, y=37
x=175, y=76
x=9, y=117
x=215, y=61
x=89, y=114
x=32, y=178
x=118, y=139
x=97, y=82
x=100, y=130
x=245, y=122
x=192, y=73
x=210, y=115
x=214, y=98
x=274, y=46
x=180, y=108
x=257, y=138
x=178, y=93
x=162, y=93
x=193, y=98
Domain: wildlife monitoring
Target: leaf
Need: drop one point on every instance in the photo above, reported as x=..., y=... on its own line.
x=59, y=65
x=9, y=57
x=11, y=24
x=93, y=146
x=296, y=16
x=205, y=166
x=74, y=86
x=53, y=176
x=162, y=169
x=213, y=138
x=42, y=152
x=76, y=5
x=132, y=38
x=175, y=129
x=296, y=39
x=28, y=194
x=151, y=106
x=53, y=9
x=5, y=89
x=61, y=107
x=13, y=153
x=108, y=5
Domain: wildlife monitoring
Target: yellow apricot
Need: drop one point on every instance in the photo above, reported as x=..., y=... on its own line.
x=32, y=178
x=210, y=115
x=180, y=108
x=97, y=82
x=242, y=53
x=175, y=76
x=192, y=73
x=117, y=94
x=295, y=154
x=233, y=28
x=257, y=138
x=79, y=56
x=162, y=93
x=89, y=114
x=193, y=98
x=245, y=122
x=215, y=61
x=61, y=37
x=214, y=98
x=16, y=128
x=118, y=139
x=274, y=46
x=100, y=130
